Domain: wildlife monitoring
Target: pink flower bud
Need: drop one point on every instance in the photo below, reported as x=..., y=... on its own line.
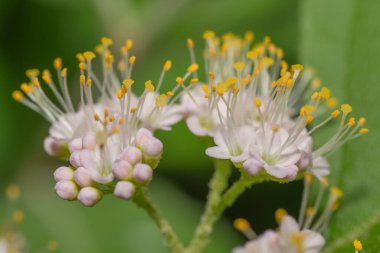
x=121, y=169
x=53, y=147
x=89, y=196
x=152, y=147
x=89, y=141
x=124, y=190
x=82, y=177
x=252, y=166
x=66, y=189
x=131, y=154
x=142, y=173
x=63, y=173
x=75, y=159
x=75, y=145
x=305, y=160
x=142, y=135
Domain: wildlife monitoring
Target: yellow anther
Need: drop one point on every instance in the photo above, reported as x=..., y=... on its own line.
x=307, y=109
x=363, y=130
x=296, y=67
x=280, y=214
x=149, y=86
x=241, y=224
x=190, y=43
x=256, y=71
x=316, y=96
x=82, y=79
x=335, y=205
x=346, y=108
x=36, y=83
x=13, y=192
x=206, y=90
x=252, y=54
x=275, y=128
x=106, y=112
x=280, y=53
x=80, y=57
x=336, y=192
x=46, y=78
x=266, y=62
x=332, y=102
x=52, y=245
x=231, y=81
x=133, y=109
x=266, y=40
x=89, y=83
x=82, y=66
x=235, y=90
x=96, y=117
x=308, y=178
x=211, y=75
x=362, y=121
x=106, y=41
x=351, y=122
x=64, y=72
x=358, y=245
x=132, y=60
x=309, y=119
x=129, y=44
x=100, y=49
x=289, y=83
x=324, y=182
x=121, y=66
x=26, y=88
x=57, y=63
x=325, y=93
x=161, y=100
x=112, y=118
x=335, y=114
x=194, y=80
x=222, y=87
x=257, y=102
x=249, y=36
x=310, y=211
x=88, y=55
x=208, y=35
x=31, y=73
x=239, y=66
x=179, y=80
x=18, y=216
x=128, y=83
x=17, y=95
x=115, y=130
x=121, y=121
x=167, y=65
x=169, y=93
x=192, y=68
x=315, y=83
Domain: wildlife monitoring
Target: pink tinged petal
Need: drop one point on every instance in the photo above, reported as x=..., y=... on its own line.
x=276, y=171
x=195, y=127
x=131, y=154
x=66, y=189
x=82, y=177
x=143, y=135
x=289, y=225
x=313, y=242
x=320, y=167
x=88, y=159
x=89, y=196
x=89, y=141
x=124, y=190
x=75, y=159
x=291, y=172
x=152, y=147
x=252, y=166
x=304, y=161
x=142, y=173
x=75, y=145
x=121, y=169
x=63, y=173
x=240, y=158
x=53, y=147
x=218, y=152
x=99, y=178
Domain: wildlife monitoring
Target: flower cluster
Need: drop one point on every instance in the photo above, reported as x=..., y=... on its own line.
x=302, y=236
x=109, y=142
x=252, y=105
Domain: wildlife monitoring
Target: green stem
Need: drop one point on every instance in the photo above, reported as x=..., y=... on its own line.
x=216, y=205
x=172, y=241
x=217, y=185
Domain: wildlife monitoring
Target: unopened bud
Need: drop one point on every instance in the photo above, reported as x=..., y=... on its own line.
x=82, y=177
x=152, y=147
x=75, y=159
x=121, y=169
x=75, y=145
x=252, y=166
x=124, y=190
x=142, y=173
x=89, y=196
x=131, y=154
x=63, y=173
x=66, y=189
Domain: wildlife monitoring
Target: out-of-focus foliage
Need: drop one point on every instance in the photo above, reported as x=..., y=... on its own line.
x=345, y=50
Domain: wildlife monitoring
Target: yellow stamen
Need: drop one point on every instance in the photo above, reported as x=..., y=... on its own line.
x=169, y=94
x=362, y=121
x=149, y=86
x=13, y=192
x=338, y=193
x=26, y=88
x=296, y=67
x=17, y=95
x=249, y=36
x=257, y=102
x=32, y=73
x=208, y=35
x=82, y=79
x=18, y=216
x=358, y=245
x=308, y=178
x=335, y=114
x=241, y=224
x=133, y=109
x=80, y=57
x=161, y=100
x=280, y=214
x=275, y=128
x=64, y=72
x=106, y=41
x=332, y=102
x=363, y=130
x=239, y=66
x=179, y=80
x=309, y=119
x=211, y=75
x=88, y=55
x=57, y=63
x=194, y=80
x=132, y=60
x=128, y=83
x=310, y=211
x=167, y=65
x=192, y=68
x=52, y=245
x=129, y=44
x=96, y=117
x=89, y=83
x=325, y=93
x=346, y=108
x=190, y=43
x=315, y=83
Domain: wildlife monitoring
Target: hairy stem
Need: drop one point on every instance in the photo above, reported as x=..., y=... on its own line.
x=172, y=241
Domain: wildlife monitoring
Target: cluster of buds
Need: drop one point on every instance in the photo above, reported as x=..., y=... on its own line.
x=302, y=236
x=261, y=112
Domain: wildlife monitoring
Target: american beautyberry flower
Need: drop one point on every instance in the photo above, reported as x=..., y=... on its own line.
x=257, y=110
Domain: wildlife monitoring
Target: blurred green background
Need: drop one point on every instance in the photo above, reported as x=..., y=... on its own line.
x=340, y=39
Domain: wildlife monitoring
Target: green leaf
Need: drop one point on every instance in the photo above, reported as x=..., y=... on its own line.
x=341, y=39
x=113, y=225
